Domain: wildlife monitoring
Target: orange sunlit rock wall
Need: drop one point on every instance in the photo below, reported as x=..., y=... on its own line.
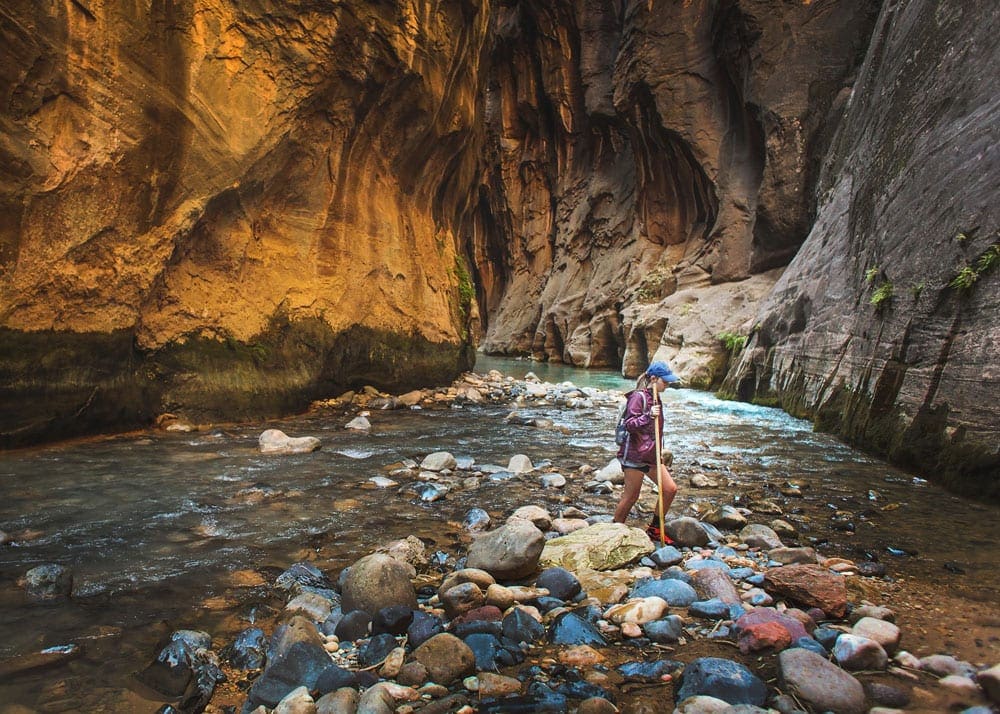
x=276, y=179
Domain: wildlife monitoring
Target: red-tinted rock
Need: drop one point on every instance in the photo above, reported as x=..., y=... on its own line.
x=763, y=635
x=809, y=585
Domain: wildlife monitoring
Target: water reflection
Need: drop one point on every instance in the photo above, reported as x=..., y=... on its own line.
x=154, y=524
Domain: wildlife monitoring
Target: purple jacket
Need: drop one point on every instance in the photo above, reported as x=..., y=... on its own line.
x=641, y=444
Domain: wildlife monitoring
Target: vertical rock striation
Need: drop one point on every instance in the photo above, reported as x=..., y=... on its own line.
x=884, y=327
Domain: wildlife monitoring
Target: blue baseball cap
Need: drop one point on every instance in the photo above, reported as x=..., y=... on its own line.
x=661, y=370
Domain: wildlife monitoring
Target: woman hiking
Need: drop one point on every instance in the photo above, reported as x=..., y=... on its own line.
x=638, y=453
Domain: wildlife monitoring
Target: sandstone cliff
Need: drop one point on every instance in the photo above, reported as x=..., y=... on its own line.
x=646, y=159
x=884, y=327
x=230, y=208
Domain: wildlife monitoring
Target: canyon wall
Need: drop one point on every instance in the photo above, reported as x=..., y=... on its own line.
x=228, y=209
x=884, y=327
x=653, y=163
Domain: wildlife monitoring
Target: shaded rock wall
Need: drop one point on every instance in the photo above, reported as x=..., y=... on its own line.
x=642, y=149
x=884, y=327
x=230, y=207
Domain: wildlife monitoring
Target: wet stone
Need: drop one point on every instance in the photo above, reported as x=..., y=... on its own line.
x=476, y=520
x=664, y=631
x=723, y=679
x=675, y=592
x=648, y=672
x=394, y=619
x=713, y=609
x=571, y=629
x=48, y=582
x=485, y=648
x=560, y=583
x=302, y=574
x=376, y=650
x=353, y=626
x=423, y=627
x=519, y=626
x=247, y=650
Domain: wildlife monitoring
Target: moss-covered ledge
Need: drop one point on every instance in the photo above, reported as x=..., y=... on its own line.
x=56, y=385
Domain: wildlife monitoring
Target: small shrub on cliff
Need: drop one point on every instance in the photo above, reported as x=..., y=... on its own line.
x=989, y=259
x=732, y=341
x=871, y=274
x=964, y=279
x=882, y=295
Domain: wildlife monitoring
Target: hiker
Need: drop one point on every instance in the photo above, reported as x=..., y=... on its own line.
x=637, y=454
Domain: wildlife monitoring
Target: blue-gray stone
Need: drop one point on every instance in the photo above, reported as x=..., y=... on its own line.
x=742, y=573
x=808, y=643
x=648, y=672
x=353, y=626
x=423, y=627
x=247, y=650
x=546, y=603
x=666, y=556
x=302, y=665
x=713, y=609
x=570, y=629
x=581, y=689
x=485, y=647
x=477, y=627
x=301, y=575
x=394, y=619
x=664, y=631
x=676, y=592
x=376, y=650
x=519, y=626
x=676, y=573
x=333, y=678
x=826, y=636
x=723, y=679
x=559, y=582
x=702, y=564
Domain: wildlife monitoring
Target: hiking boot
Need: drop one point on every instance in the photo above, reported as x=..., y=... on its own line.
x=654, y=535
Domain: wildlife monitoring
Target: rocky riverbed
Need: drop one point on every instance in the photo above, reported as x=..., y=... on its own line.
x=549, y=607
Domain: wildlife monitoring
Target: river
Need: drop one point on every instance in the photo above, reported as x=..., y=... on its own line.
x=184, y=530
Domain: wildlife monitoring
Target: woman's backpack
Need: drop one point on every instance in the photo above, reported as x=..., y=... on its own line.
x=621, y=433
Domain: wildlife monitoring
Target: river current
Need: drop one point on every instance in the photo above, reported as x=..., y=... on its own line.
x=161, y=529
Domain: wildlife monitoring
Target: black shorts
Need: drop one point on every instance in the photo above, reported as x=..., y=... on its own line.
x=636, y=465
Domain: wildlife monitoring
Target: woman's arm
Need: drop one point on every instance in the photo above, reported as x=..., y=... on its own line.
x=637, y=416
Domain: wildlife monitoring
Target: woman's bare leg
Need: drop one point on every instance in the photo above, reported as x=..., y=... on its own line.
x=668, y=488
x=630, y=494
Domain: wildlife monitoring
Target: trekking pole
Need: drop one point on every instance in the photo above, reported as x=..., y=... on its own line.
x=659, y=473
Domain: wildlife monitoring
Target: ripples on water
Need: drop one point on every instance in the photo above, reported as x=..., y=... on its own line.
x=151, y=524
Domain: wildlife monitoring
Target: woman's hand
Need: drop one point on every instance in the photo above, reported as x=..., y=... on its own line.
x=655, y=411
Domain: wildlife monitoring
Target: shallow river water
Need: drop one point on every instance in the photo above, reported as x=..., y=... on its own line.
x=166, y=531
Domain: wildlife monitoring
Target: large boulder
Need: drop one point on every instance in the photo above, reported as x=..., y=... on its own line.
x=377, y=581
x=510, y=552
x=602, y=546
